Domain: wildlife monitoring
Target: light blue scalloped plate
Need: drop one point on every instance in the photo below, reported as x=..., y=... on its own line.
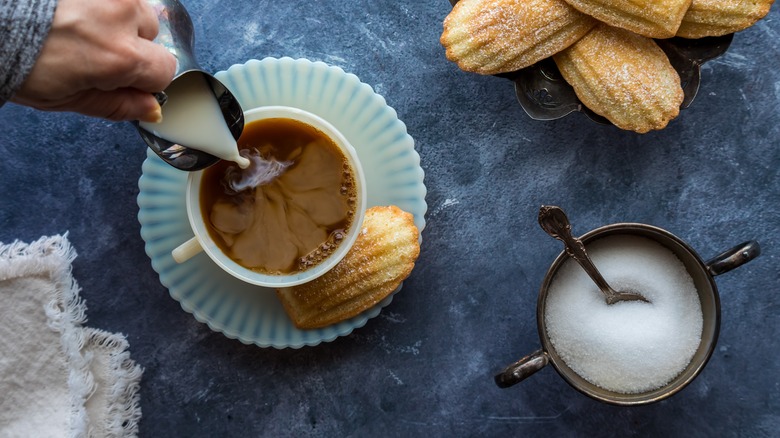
x=249, y=313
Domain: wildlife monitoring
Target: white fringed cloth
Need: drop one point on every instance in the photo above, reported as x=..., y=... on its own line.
x=58, y=378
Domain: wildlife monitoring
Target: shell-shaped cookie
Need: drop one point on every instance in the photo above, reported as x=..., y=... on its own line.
x=498, y=36
x=651, y=18
x=381, y=258
x=721, y=17
x=624, y=77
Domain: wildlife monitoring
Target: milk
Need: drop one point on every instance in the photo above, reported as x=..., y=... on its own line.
x=192, y=118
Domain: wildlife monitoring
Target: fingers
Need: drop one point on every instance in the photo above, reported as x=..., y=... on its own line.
x=130, y=58
x=155, y=70
x=119, y=105
x=158, y=65
x=148, y=24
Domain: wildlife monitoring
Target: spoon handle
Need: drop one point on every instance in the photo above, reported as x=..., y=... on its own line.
x=554, y=221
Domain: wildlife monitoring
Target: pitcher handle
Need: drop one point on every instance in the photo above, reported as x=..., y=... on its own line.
x=733, y=258
x=522, y=369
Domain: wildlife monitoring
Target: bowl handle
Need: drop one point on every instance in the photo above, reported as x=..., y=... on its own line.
x=522, y=369
x=733, y=258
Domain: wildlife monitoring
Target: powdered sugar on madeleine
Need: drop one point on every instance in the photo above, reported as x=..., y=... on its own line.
x=498, y=36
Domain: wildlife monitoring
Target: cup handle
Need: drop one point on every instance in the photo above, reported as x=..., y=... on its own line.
x=733, y=258
x=186, y=250
x=522, y=369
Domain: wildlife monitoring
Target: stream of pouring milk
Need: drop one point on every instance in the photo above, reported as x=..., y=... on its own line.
x=192, y=118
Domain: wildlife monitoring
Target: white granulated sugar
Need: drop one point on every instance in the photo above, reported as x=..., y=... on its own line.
x=627, y=347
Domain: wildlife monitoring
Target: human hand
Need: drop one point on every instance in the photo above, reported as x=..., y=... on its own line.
x=99, y=60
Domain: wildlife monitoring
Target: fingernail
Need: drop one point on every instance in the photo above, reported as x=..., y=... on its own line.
x=153, y=116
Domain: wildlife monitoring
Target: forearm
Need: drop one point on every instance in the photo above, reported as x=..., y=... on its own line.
x=24, y=25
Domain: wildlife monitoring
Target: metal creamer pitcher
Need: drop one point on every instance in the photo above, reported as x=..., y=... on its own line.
x=176, y=34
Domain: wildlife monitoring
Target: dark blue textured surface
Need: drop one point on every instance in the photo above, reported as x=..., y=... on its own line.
x=425, y=365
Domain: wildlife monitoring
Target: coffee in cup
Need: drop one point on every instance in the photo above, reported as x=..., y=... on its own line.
x=293, y=214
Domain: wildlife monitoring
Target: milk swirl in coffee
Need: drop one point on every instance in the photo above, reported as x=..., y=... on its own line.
x=292, y=210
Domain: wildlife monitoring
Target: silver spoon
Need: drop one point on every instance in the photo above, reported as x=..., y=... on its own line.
x=178, y=36
x=554, y=221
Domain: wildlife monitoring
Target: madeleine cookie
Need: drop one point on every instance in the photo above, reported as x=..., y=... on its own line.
x=651, y=18
x=381, y=258
x=624, y=77
x=498, y=36
x=720, y=17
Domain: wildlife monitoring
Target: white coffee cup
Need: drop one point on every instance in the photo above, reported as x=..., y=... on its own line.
x=202, y=241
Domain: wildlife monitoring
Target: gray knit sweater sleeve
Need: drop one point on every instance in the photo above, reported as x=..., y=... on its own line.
x=24, y=25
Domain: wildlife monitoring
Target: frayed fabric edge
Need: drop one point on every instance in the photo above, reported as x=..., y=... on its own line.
x=123, y=394
x=66, y=314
